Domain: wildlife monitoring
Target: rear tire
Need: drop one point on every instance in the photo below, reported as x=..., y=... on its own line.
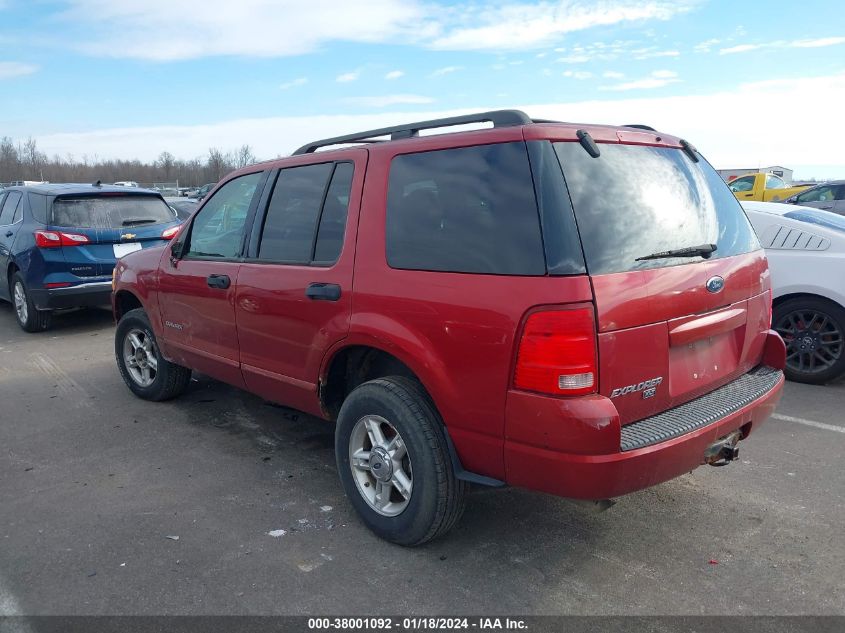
x=144, y=370
x=27, y=315
x=813, y=329
x=389, y=426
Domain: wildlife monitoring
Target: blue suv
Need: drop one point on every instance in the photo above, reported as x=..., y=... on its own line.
x=59, y=243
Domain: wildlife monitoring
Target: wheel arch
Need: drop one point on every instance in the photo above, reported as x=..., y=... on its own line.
x=783, y=298
x=124, y=301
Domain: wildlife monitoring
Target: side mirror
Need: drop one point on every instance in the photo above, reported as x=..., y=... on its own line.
x=176, y=249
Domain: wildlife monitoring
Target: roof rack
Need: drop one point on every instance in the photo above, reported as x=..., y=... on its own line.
x=499, y=118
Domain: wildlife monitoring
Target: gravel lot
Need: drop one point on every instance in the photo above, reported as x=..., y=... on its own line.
x=95, y=486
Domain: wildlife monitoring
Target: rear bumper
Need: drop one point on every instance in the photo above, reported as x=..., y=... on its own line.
x=569, y=455
x=81, y=296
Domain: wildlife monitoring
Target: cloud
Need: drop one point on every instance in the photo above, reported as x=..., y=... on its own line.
x=301, y=81
x=612, y=74
x=447, y=70
x=579, y=74
x=9, y=70
x=522, y=25
x=817, y=43
x=394, y=74
x=387, y=100
x=706, y=46
x=651, y=52
x=657, y=79
x=780, y=44
x=695, y=117
x=163, y=30
x=740, y=48
x=347, y=77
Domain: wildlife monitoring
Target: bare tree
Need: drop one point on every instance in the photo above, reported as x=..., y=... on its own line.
x=165, y=162
x=244, y=157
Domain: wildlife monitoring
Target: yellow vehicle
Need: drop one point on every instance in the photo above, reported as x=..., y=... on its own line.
x=763, y=187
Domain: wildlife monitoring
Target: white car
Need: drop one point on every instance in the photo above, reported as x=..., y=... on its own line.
x=806, y=252
x=126, y=183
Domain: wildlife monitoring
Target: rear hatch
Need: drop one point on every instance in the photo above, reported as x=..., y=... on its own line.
x=670, y=327
x=98, y=229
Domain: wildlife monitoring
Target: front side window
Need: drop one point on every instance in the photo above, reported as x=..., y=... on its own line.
x=467, y=210
x=633, y=201
x=816, y=194
x=746, y=183
x=218, y=229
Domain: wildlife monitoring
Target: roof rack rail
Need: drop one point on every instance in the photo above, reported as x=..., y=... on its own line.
x=640, y=126
x=499, y=118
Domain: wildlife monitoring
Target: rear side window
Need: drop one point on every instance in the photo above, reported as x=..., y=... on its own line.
x=38, y=206
x=633, y=201
x=7, y=211
x=110, y=212
x=306, y=217
x=468, y=210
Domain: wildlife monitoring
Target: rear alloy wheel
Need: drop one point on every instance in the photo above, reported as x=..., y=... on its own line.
x=814, y=332
x=29, y=318
x=394, y=463
x=144, y=370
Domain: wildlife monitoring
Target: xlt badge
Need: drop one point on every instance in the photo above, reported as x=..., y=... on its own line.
x=648, y=387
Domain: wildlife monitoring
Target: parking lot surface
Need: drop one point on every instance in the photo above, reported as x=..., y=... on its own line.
x=96, y=486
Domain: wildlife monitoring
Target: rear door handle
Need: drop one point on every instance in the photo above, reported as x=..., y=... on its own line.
x=218, y=281
x=9, y=234
x=323, y=292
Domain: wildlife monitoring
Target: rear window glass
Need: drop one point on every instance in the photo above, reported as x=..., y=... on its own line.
x=38, y=205
x=110, y=212
x=819, y=218
x=633, y=201
x=469, y=210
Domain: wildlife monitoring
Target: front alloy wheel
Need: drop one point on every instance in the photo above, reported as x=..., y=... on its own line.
x=140, y=357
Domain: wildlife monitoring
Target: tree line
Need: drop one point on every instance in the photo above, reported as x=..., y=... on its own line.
x=24, y=161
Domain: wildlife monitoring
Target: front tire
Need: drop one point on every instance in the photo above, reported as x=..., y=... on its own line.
x=144, y=370
x=394, y=463
x=27, y=315
x=814, y=332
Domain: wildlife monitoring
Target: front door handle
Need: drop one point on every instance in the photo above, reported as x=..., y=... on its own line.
x=218, y=281
x=323, y=292
x=9, y=234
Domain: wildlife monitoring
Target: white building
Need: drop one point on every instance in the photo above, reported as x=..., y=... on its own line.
x=729, y=174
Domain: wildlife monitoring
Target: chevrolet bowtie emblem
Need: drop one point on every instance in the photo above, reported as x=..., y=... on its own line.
x=127, y=236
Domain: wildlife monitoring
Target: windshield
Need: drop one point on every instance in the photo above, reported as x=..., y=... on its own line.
x=821, y=218
x=111, y=212
x=633, y=201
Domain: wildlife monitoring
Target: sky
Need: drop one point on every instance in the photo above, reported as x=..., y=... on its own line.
x=749, y=83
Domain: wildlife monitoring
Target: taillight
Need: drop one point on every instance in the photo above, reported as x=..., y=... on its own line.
x=56, y=239
x=48, y=239
x=557, y=353
x=169, y=233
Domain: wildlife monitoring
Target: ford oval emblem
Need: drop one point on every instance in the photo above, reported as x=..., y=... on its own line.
x=715, y=284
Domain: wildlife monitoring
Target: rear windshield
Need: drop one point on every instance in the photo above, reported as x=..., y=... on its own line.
x=111, y=212
x=633, y=201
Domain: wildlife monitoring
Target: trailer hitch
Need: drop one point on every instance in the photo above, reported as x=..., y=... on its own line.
x=724, y=450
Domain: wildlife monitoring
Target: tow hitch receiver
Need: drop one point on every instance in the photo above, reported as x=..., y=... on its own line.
x=723, y=451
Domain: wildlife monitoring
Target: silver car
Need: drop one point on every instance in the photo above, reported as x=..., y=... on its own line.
x=829, y=196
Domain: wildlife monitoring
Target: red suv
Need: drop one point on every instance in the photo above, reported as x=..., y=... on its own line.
x=578, y=309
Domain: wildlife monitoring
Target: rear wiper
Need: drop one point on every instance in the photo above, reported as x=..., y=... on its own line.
x=138, y=221
x=704, y=250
